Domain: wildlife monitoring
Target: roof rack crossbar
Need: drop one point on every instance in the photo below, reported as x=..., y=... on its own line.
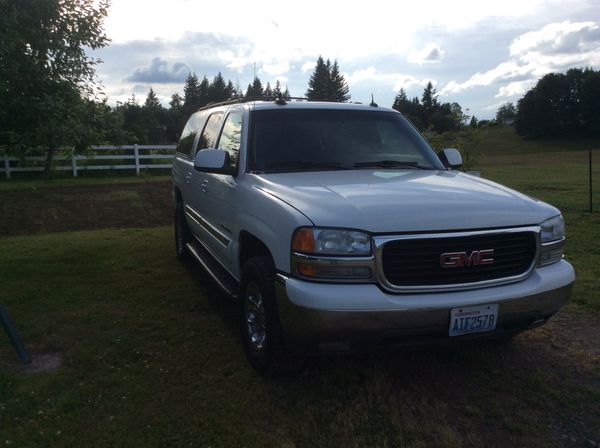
x=242, y=100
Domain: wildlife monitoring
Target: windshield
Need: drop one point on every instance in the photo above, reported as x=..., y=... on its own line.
x=324, y=140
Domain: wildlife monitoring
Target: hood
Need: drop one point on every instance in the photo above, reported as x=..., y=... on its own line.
x=403, y=201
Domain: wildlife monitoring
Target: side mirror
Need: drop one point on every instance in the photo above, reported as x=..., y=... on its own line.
x=450, y=157
x=213, y=161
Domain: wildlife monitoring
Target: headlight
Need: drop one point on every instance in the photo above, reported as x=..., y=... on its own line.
x=315, y=240
x=332, y=254
x=553, y=240
x=553, y=229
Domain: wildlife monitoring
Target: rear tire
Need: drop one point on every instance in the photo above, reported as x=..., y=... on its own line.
x=182, y=234
x=261, y=333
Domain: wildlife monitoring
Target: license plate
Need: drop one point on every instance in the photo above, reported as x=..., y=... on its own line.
x=473, y=319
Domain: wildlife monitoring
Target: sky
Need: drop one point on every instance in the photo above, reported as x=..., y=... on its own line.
x=480, y=54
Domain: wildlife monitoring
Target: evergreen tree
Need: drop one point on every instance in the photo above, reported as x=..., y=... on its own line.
x=231, y=90
x=191, y=94
x=286, y=94
x=400, y=100
x=327, y=83
x=339, y=90
x=411, y=109
x=429, y=99
x=277, y=89
x=203, y=92
x=318, y=84
x=255, y=90
x=152, y=101
x=217, y=90
x=268, y=93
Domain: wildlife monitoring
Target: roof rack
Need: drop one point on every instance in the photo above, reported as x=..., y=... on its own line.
x=277, y=99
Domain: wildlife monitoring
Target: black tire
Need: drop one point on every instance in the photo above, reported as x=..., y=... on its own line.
x=182, y=233
x=261, y=333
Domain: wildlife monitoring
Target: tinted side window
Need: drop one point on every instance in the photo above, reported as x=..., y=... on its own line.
x=210, y=132
x=231, y=136
x=188, y=135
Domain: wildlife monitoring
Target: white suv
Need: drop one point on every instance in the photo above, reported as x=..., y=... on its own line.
x=340, y=229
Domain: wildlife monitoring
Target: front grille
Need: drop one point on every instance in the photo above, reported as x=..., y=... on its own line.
x=416, y=262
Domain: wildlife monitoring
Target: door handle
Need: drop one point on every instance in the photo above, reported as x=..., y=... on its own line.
x=188, y=177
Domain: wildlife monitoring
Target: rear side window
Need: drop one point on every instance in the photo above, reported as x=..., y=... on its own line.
x=188, y=135
x=210, y=132
x=231, y=136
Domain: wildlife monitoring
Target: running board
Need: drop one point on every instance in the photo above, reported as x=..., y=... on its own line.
x=214, y=269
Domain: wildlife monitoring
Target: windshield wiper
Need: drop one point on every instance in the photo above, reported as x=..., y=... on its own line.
x=390, y=164
x=305, y=164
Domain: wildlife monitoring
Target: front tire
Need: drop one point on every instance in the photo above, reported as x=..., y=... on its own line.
x=261, y=333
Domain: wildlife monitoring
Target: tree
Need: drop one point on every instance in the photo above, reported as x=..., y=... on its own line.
x=318, y=84
x=152, y=100
x=191, y=94
x=506, y=113
x=339, y=90
x=327, y=83
x=411, y=109
x=429, y=99
x=255, y=90
x=268, y=93
x=286, y=94
x=176, y=102
x=217, y=90
x=46, y=77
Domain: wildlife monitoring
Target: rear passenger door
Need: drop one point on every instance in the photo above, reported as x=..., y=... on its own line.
x=221, y=191
x=197, y=206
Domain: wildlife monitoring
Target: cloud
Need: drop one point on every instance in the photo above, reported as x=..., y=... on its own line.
x=308, y=65
x=160, y=72
x=276, y=68
x=555, y=47
x=429, y=54
x=407, y=81
x=516, y=88
x=564, y=37
x=361, y=75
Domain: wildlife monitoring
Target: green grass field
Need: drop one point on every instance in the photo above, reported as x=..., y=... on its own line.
x=150, y=351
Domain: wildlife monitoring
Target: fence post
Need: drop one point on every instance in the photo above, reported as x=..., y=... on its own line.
x=6, y=165
x=137, y=159
x=74, y=163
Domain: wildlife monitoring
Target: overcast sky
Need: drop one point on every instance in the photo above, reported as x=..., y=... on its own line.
x=480, y=54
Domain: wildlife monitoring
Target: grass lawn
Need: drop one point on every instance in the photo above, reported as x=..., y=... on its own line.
x=150, y=352
x=34, y=182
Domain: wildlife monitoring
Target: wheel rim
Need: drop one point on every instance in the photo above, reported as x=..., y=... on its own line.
x=254, y=314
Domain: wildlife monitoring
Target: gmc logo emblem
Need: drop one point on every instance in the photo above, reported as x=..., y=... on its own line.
x=460, y=259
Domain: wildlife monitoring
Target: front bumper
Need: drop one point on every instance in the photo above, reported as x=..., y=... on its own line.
x=318, y=317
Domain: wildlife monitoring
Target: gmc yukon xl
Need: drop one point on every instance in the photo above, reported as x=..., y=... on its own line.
x=340, y=229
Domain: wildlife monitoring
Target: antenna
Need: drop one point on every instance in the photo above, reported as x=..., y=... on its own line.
x=373, y=103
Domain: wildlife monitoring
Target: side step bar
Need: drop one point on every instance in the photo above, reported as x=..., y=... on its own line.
x=214, y=269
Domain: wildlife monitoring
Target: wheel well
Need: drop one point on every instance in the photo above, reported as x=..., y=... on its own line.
x=177, y=195
x=250, y=246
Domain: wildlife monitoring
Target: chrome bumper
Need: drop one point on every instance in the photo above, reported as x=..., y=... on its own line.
x=318, y=317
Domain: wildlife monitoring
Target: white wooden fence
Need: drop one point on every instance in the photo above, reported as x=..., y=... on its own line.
x=127, y=157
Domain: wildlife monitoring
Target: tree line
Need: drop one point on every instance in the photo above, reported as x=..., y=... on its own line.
x=561, y=104
x=50, y=98
x=429, y=113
